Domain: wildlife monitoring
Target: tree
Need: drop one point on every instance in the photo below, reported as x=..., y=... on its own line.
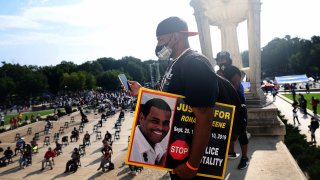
x=66, y=67
x=108, y=80
x=54, y=77
x=315, y=56
x=28, y=81
x=132, y=66
x=32, y=84
x=90, y=81
x=93, y=67
x=107, y=63
x=75, y=81
x=7, y=88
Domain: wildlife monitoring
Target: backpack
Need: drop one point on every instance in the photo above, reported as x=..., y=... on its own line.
x=111, y=166
x=228, y=95
x=316, y=124
x=3, y=163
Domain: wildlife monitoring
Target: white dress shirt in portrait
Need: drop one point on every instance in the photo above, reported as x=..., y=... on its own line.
x=142, y=151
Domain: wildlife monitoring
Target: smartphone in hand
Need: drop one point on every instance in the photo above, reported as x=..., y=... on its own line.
x=124, y=82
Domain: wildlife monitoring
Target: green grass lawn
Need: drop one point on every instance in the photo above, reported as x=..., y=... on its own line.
x=307, y=97
x=24, y=114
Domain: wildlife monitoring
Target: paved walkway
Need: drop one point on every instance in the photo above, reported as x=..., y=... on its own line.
x=269, y=157
x=284, y=105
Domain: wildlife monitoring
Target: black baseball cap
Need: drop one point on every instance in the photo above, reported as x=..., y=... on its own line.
x=223, y=55
x=173, y=24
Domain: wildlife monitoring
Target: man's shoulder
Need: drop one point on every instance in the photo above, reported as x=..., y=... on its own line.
x=231, y=68
x=194, y=60
x=194, y=55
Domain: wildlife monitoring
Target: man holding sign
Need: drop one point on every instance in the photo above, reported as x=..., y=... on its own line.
x=191, y=75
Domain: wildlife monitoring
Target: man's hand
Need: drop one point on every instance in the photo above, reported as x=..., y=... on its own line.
x=184, y=172
x=200, y=139
x=135, y=86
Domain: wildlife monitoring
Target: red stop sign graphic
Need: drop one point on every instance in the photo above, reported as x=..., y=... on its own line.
x=179, y=150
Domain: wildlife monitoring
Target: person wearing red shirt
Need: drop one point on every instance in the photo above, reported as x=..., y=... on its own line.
x=48, y=157
x=15, y=122
x=314, y=104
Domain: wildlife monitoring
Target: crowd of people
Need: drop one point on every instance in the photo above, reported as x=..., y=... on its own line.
x=299, y=105
x=302, y=105
x=101, y=101
x=189, y=74
x=26, y=152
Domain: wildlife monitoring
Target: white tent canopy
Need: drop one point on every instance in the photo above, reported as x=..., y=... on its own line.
x=291, y=79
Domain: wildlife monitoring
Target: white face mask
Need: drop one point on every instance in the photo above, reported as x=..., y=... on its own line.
x=163, y=52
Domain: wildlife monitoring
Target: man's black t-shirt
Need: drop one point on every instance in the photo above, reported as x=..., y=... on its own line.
x=193, y=77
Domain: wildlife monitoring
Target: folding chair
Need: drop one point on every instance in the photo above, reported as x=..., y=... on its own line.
x=95, y=128
x=29, y=130
x=61, y=131
x=46, y=141
x=117, y=135
x=65, y=140
x=36, y=136
x=98, y=135
x=56, y=136
x=66, y=125
x=82, y=150
x=17, y=136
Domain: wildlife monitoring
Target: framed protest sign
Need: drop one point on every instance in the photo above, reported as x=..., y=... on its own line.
x=162, y=132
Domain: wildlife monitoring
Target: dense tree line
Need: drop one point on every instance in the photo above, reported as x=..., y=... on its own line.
x=279, y=57
x=289, y=56
x=20, y=83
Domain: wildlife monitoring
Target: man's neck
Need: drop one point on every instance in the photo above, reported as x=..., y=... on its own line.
x=180, y=50
x=151, y=144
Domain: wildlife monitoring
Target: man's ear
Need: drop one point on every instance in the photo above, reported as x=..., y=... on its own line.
x=173, y=40
x=141, y=118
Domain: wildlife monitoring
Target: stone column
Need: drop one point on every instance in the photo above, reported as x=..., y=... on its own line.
x=229, y=42
x=254, y=48
x=204, y=30
x=226, y=14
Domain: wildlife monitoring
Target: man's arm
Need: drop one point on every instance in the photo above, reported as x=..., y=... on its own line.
x=200, y=139
x=201, y=134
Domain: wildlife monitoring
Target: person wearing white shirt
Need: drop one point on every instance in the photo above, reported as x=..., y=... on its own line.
x=154, y=120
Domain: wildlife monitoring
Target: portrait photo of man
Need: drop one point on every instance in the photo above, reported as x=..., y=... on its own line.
x=150, y=139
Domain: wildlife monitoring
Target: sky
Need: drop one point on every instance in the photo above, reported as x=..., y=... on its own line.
x=46, y=32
